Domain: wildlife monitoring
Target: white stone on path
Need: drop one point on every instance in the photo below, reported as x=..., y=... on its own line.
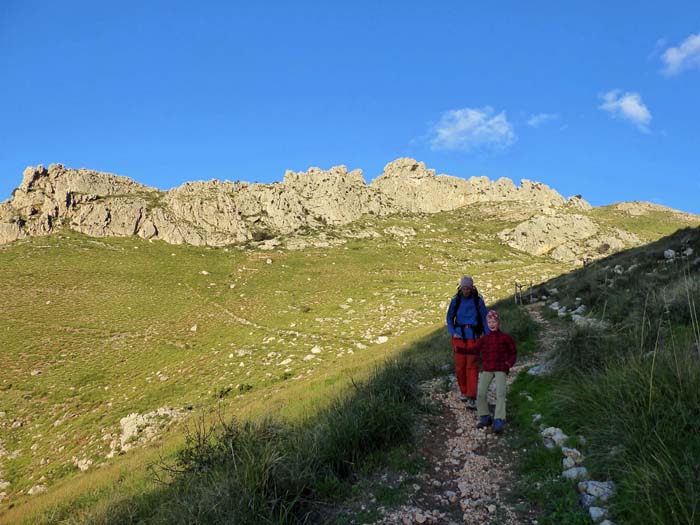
x=597, y=513
x=603, y=490
x=572, y=453
x=553, y=436
x=575, y=473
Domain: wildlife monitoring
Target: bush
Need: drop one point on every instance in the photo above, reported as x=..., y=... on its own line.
x=648, y=408
x=273, y=472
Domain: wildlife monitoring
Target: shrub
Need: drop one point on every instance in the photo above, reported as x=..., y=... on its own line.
x=272, y=471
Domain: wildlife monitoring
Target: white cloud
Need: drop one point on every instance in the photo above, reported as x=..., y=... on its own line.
x=467, y=128
x=537, y=120
x=685, y=56
x=628, y=106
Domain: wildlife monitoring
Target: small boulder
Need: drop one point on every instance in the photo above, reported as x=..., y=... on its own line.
x=575, y=473
x=553, y=437
x=597, y=513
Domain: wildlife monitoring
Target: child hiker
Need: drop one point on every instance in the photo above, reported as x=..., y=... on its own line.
x=498, y=355
x=466, y=320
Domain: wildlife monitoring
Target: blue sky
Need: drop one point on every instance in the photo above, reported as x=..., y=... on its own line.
x=592, y=98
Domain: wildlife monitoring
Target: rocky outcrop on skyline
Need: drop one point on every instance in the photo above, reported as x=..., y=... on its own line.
x=217, y=213
x=415, y=188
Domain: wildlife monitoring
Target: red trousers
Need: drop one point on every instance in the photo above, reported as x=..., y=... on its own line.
x=466, y=366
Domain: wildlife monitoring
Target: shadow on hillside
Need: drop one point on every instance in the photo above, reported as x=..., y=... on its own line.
x=277, y=471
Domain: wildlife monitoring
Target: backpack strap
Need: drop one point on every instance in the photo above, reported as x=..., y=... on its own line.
x=479, y=329
x=458, y=300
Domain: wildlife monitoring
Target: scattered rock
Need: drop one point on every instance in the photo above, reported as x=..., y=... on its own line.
x=82, y=464
x=138, y=429
x=542, y=369
x=36, y=489
x=553, y=437
x=572, y=454
x=602, y=490
x=575, y=473
x=597, y=513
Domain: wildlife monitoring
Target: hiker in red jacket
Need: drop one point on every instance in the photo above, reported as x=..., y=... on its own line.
x=498, y=355
x=466, y=321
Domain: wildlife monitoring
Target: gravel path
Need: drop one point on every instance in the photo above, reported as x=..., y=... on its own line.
x=470, y=471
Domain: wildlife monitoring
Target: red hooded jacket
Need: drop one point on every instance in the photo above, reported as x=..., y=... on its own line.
x=498, y=352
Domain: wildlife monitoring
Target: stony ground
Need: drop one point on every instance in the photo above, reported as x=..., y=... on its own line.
x=470, y=472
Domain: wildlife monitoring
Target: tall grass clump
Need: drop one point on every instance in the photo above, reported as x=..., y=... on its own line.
x=632, y=388
x=642, y=419
x=375, y=417
x=278, y=472
x=238, y=473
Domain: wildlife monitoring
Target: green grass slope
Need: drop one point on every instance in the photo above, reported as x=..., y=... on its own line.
x=630, y=387
x=96, y=329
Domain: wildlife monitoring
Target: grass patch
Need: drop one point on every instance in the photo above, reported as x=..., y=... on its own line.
x=281, y=470
x=276, y=472
x=632, y=389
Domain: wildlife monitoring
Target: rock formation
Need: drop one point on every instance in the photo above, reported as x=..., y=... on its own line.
x=416, y=189
x=219, y=213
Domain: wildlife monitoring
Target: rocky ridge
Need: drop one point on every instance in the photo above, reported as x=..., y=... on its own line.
x=217, y=213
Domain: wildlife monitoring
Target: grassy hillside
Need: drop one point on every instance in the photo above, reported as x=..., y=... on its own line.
x=97, y=329
x=627, y=385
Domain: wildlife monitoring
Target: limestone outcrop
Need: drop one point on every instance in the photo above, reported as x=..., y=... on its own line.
x=567, y=237
x=91, y=202
x=414, y=188
x=217, y=213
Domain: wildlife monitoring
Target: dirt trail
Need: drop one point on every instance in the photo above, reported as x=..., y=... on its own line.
x=470, y=471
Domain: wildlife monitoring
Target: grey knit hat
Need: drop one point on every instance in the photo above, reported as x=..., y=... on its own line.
x=466, y=281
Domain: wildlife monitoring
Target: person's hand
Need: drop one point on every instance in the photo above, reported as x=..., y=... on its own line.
x=455, y=336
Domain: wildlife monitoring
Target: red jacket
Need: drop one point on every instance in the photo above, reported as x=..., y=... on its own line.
x=498, y=352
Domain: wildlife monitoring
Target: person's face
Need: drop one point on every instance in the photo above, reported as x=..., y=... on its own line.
x=493, y=323
x=466, y=291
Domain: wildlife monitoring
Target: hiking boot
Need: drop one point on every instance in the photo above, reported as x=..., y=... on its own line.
x=471, y=403
x=498, y=426
x=484, y=421
x=464, y=398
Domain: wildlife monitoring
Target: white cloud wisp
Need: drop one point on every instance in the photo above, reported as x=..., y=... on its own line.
x=468, y=128
x=629, y=106
x=537, y=120
x=685, y=56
